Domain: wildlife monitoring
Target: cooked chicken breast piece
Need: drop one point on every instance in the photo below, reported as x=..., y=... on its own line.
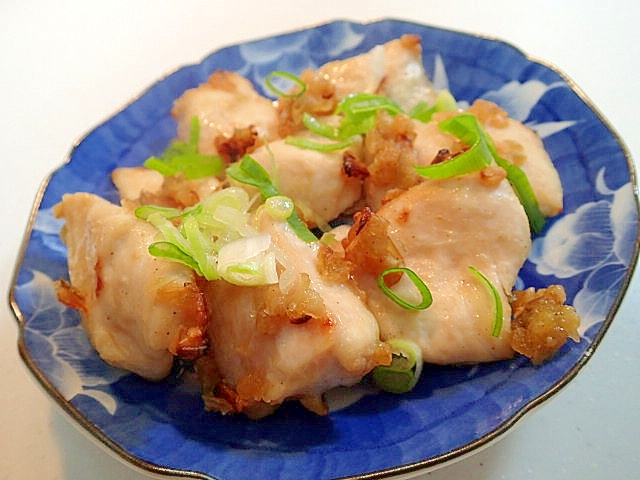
x=534, y=160
x=225, y=104
x=440, y=228
x=393, y=70
x=523, y=147
x=296, y=339
x=514, y=141
x=315, y=180
x=133, y=182
x=139, y=311
x=429, y=140
x=143, y=186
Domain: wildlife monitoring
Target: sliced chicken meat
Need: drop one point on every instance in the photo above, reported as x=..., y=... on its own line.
x=315, y=180
x=233, y=117
x=139, y=311
x=440, y=228
x=393, y=70
x=296, y=339
x=143, y=186
x=522, y=146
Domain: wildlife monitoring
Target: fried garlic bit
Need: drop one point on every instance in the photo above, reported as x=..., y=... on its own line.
x=542, y=322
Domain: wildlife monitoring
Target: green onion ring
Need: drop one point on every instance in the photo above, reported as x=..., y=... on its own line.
x=521, y=185
x=250, y=172
x=497, y=321
x=288, y=76
x=405, y=369
x=417, y=281
x=320, y=128
x=318, y=146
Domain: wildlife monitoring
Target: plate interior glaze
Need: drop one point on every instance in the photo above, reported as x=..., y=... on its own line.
x=590, y=249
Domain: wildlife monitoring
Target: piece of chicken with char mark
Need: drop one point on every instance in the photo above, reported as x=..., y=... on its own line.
x=315, y=180
x=393, y=70
x=234, y=118
x=397, y=144
x=139, y=311
x=292, y=340
x=438, y=229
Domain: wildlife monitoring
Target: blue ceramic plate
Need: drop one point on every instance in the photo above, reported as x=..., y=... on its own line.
x=590, y=249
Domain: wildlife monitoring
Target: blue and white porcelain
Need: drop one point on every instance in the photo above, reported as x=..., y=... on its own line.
x=590, y=249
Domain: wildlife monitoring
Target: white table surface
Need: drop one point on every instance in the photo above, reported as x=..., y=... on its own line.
x=67, y=65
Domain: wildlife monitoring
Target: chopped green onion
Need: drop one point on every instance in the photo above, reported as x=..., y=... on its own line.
x=202, y=250
x=445, y=102
x=170, y=232
x=520, y=183
x=183, y=157
x=360, y=105
x=497, y=321
x=320, y=128
x=171, y=251
x=214, y=238
x=405, y=369
x=422, y=111
x=302, y=87
x=145, y=211
x=481, y=154
x=417, y=282
x=466, y=128
x=318, y=146
x=247, y=261
x=250, y=172
x=159, y=165
x=358, y=113
x=279, y=207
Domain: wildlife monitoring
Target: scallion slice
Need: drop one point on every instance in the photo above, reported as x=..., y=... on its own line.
x=250, y=172
x=297, y=81
x=425, y=294
x=214, y=238
x=482, y=153
x=445, y=102
x=279, y=207
x=248, y=261
x=360, y=105
x=497, y=320
x=183, y=157
x=520, y=183
x=466, y=128
x=357, y=111
x=145, y=211
x=318, y=146
x=405, y=369
x=320, y=128
x=171, y=251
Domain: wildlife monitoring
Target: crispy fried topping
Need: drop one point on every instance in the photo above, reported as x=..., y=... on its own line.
x=298, y=305
x=368, y=245
x=389, y=152
x=243, y=141
x=542, y=323
x=319, y=100
x=353, y=167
